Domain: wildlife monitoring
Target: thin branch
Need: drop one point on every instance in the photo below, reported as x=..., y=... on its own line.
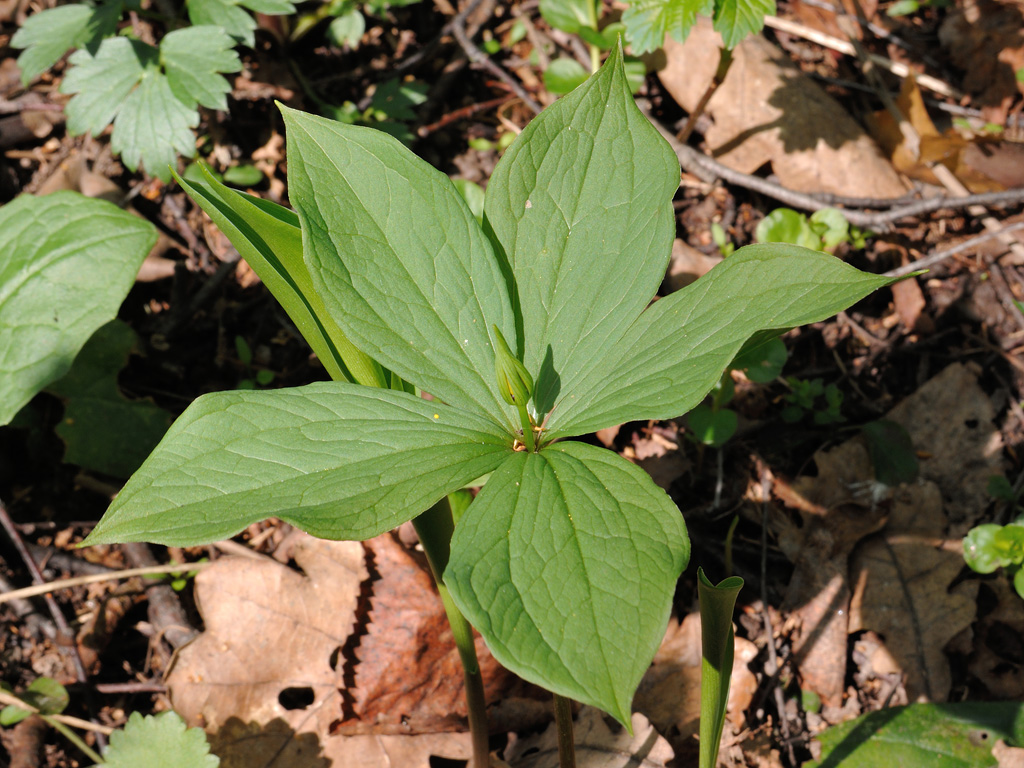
x=937, y=257
x=98, y=578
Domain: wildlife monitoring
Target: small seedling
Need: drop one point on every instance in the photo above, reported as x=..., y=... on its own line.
x=253, y=377
x=825, y=230
x=804, y=397
x=991, y=546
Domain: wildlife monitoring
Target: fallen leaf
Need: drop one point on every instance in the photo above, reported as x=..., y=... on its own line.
x=273, y=639
x=823, y=18
x=951, y=419
x=408, y=676
x=766, y=110
x=835, y=517
x=597, y=745
x=903, y=577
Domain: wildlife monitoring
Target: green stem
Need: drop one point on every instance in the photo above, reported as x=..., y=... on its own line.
x=435, y=528
x=74, y=739
x=563, y=722
x=595, y=53
x=528, y=438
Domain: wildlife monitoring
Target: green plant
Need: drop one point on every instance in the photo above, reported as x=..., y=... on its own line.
x=823, y=231
x=567, y=560
x=803, y=399
x=151, y=94
x=66, y=264
x=647, y=22
x=160, y=741
x=991, y=546
x=253, y=378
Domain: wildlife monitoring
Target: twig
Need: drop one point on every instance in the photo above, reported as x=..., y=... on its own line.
x=936, y=257
x=98, y=578
x=75, y=722
x=164, y=609
x=842, y=46
x=460, y=114
x=51, y=604
x=130, y=688
x=476, y=56
x=956, y=187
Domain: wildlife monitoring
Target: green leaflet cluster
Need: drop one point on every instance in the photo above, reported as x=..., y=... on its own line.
x=649, y=21
x=567, y=559
x=150, y=94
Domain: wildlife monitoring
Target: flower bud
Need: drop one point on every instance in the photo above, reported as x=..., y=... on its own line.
x=514, y=381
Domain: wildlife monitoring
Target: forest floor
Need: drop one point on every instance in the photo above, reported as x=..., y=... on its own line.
x=856, y=594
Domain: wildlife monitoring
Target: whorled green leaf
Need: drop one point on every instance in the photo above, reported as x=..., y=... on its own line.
x=153, y=127
x=671, y=357
x=649, y=21
x=958, y=735
x=582, y=205
x=102, y=81
x=336, y=460
x=399, y=259
x=193, y=59
x=735, y=19
x=103, y=430
x=66, y=264
x=268, y=237
x=158, y=741
x=566, y=564
x=49, y=34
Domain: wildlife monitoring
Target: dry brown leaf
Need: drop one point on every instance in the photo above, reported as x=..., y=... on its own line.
x=902, y=590
x=985, y=39
x=835, y=518
x=823, y=18
x=273, y=638
x=669, y=693
x=766, y=110
x=382, y=751
x=950, y=419
x=1008, y=757
x=408, y=678
x=597, y=745
x=997, y=657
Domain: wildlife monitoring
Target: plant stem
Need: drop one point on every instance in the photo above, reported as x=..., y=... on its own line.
x=74, y=739
x=563, y=722
x=724, y=62
x=435, y=528
x=528, y=438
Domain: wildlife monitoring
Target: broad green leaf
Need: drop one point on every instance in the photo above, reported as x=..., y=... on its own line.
x=395, y=99
x=569, y=15
x=582, y=205
x=153, y=127
x=564, y=74
x=347, y=29
x=158, y=741
x=649, y=21
x=192, y=58
x=959, y=735
x=66, y=264
x=268, y=237
x=103, y=81
x=671, y=357
x=49, y=34
x=566, y=563
x=784, y=225
x=44, y=694
x=735, y=19
x=270, y=7
x=892, y=452
x=399, y=259
x=340, y=461
x=103, y=430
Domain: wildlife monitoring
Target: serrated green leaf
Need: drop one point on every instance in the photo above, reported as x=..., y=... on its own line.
x=102, y=82
x=959, y=735
x=153, y=127
x=66, y=264
x=563, y=75
x=569, y=15
x=400, y=261
x=735, y=19
x=49, y=34
x=226, y=14
x=193, y=58
x=566, y=564
x=649, y=21
x=671, y=357
x=582, y=205
x=268, y=237
x=103, y=430
x=158, y=741
x=339, y=461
